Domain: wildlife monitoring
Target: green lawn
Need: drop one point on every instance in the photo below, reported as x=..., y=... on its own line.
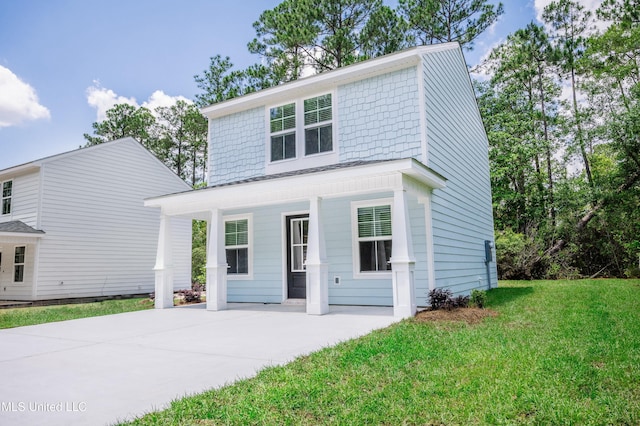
x=560, y=352
x=17, y=317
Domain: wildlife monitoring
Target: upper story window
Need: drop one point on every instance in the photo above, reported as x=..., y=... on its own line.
x=283, y=132
x=305, y=125
x=318, y=133
x=7, y=190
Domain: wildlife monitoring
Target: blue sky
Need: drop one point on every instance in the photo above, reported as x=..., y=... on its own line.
x=64, y=62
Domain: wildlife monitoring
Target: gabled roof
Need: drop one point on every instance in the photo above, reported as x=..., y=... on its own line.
x=18, y=227
x=326, y=80
x=36, y=164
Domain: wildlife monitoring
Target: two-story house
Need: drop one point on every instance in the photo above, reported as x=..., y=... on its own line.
x=366, y=185
x=74, y=224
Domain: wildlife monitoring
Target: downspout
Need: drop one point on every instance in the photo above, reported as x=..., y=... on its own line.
x=488, y=257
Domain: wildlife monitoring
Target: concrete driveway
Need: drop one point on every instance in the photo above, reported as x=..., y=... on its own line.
x=104, y=369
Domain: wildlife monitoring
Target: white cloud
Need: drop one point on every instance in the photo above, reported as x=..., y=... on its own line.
x=18, y=100
x=161, y=99
x=589, y=5
x=103, y=99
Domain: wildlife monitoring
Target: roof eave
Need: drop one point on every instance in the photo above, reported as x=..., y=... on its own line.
x=324, y=81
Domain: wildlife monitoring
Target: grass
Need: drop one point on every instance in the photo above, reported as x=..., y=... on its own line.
x=559, y=352
x=17, y=317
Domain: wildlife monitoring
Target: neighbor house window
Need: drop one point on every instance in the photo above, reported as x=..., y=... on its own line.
x=374, y=238
x=318, y=133
x=282, y=122
x=18, y=264
x=7, y=190
x=236, y=241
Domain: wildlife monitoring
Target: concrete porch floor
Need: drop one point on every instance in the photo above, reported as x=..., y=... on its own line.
x=104, y=369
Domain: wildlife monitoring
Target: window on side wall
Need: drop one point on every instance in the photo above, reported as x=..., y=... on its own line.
x=18, y=264
x=7, y=191
x=373, y=239
x=236, y=241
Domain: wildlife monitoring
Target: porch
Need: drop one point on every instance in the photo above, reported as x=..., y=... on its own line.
x=399, y=180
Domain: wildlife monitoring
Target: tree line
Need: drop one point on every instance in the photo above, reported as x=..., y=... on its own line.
x=561, y=106
x=562, y=110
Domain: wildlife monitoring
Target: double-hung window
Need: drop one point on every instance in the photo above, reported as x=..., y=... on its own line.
x=301, y=128
x=374, y=238
x=318, y=130
x=18, y=264
x=7, y=191
x=236, y=241
x=282, y=122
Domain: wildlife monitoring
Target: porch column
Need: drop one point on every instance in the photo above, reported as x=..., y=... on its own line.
x=402, y=259
x=164, y=265
x=216, y=263
x=316, y=264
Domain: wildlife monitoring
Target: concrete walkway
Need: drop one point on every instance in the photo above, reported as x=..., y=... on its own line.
x=104, y=369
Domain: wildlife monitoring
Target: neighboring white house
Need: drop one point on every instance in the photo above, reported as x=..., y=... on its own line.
x=74, y=224
x=366, y=185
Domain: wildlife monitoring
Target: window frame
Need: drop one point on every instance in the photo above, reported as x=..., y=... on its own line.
x=355, y=238
x=248, y=246
x=17, y=264
x=300, y=134
x=283, y=133
x=3, y=197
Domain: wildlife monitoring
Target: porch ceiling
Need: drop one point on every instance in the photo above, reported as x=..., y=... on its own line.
x=360, y=178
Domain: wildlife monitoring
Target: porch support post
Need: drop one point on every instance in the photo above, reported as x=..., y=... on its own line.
x=216, y=263
x=164, y=265
x=402, y=258
x=316, y=264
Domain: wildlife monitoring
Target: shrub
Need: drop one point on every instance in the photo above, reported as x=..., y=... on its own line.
x=439, y=298
x=459, y=302
x=478, y=298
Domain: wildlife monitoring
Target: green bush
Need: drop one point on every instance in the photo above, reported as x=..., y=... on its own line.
x=478, y=298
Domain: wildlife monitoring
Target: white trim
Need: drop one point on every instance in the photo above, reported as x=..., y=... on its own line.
x=422, y=108
x=249, y=218
x=428, y=218
x=324, y=81
x=301, y=160
x=10, y=197
x=12, y=237
x=36, y=266
x=23, y=264
x=364, y=179
x=355, y=205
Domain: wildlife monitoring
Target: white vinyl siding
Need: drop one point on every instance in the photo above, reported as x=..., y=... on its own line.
x=100, y=239
x=24, y=199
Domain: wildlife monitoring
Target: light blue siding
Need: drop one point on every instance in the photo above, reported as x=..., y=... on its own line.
x=268, y=251
x=237, y=146
x=379, y=118
x=458, y=149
